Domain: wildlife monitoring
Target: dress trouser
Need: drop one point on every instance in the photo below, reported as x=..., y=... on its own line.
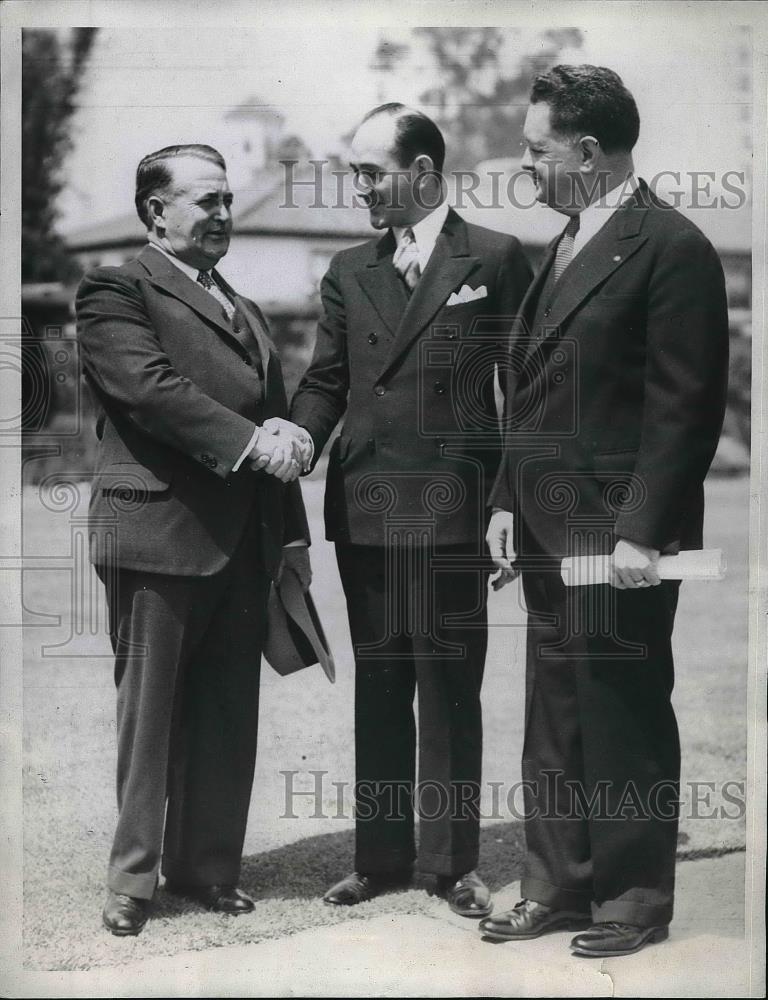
x=601, y=757
x=415, y=626
x=187, y=661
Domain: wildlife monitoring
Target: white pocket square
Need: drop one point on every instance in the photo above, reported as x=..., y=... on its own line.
x=467, y=294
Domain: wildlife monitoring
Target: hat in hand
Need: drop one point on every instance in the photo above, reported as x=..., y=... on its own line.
x=295, y=637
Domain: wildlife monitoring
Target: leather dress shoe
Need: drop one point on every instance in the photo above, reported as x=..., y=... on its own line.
x=530, y=919
x=219, y=898
x=359, y=887
x=124, y=915
x=611, y=939
x=467, y=895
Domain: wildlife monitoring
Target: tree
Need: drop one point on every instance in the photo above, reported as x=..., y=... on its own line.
x=52, y=72
x=482, y=78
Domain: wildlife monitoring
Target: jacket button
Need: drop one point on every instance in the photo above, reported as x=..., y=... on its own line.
x=373, y=338
x=208, y=460
x=379, y=390
x=439, y=388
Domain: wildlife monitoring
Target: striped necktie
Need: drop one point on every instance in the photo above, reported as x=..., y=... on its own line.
x=564, y=253
x=406, y=260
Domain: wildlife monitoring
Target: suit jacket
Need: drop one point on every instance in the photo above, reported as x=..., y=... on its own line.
x=178, y=396
x=617, y=399
x=414, y=376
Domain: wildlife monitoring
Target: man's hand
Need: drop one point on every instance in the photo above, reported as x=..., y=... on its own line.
x=633, y=566
x=303, y=445
x=296, y=557
x=276, y=455
x=500, y=539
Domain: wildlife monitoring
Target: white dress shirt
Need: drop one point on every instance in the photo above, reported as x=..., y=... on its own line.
x=425, y=233
x=594, y=216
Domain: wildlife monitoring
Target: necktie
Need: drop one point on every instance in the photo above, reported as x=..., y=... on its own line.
x=565, y=246
x=406, y=260
x=204, y=278
x=241, y=331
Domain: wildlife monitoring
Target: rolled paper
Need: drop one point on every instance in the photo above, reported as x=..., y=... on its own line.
x=693, y=564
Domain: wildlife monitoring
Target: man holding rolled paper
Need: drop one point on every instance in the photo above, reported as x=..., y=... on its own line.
x=614, y=408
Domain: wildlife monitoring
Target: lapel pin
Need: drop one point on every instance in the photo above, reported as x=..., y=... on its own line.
x=617, y=257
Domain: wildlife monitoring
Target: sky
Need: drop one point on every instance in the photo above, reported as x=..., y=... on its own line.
x=147, y=87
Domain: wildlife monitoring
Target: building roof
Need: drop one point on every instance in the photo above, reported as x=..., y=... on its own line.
x=281, y=202
x=320, y=202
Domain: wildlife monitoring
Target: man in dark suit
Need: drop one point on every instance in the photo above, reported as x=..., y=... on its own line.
x=412, y=326
x=192, y=503
x=616, y=401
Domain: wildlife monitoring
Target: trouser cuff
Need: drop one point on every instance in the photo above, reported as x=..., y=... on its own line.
x=632, y=912
x=210, y=875
x=383, y=862
x=128, y=884
x=577, y=900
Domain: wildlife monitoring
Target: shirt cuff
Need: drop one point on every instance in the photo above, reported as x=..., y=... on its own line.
x=248, y=449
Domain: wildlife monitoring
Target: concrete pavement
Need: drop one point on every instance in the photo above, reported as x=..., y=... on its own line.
x=440, y=955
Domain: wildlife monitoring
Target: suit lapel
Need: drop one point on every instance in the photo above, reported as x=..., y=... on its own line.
x=380, y=282
x=254, y=317
x=449, y=265
x=608, y=250
x=167, y=276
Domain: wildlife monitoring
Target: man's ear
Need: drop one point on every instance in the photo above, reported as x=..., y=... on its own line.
x=589, y=148
x=156, y=211
x=424, y=164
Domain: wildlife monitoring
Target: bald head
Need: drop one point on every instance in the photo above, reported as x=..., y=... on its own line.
x=397, y=155
x=411, y=132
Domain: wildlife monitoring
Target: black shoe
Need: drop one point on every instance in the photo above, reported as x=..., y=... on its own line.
x=467, y=895
x=124, y=915
x=612, y=939
x=219, y=898
x=530, y=920
x=359, y=887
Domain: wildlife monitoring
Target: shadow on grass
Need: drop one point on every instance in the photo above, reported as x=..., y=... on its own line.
x=306, y=869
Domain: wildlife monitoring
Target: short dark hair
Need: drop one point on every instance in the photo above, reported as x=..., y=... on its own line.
x=415, y=134
x=153, y=175
x=589, y=100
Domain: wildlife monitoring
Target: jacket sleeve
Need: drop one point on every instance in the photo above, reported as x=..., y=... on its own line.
x=686, y=372
x=321, y=397
x=296, y=524
x=515, y=275
x=124, y=358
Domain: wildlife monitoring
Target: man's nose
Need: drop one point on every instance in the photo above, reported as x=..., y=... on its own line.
x=223, y=212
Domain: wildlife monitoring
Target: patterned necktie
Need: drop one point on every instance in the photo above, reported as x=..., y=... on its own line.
x=250, y=340
x=204, y=278
x=406, y=260
x=564, y=253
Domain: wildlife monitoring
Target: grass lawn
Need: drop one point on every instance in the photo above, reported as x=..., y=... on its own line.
x=292, y=853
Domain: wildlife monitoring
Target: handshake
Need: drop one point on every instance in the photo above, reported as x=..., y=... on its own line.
x=282, y=449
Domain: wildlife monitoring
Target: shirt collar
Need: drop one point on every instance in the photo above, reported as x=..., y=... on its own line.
x=191, y=272
x=594, y=216
x=426, y=231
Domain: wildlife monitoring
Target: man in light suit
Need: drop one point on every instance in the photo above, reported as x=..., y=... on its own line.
x=192, y=503
x=413, y=323
x=618, y=394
